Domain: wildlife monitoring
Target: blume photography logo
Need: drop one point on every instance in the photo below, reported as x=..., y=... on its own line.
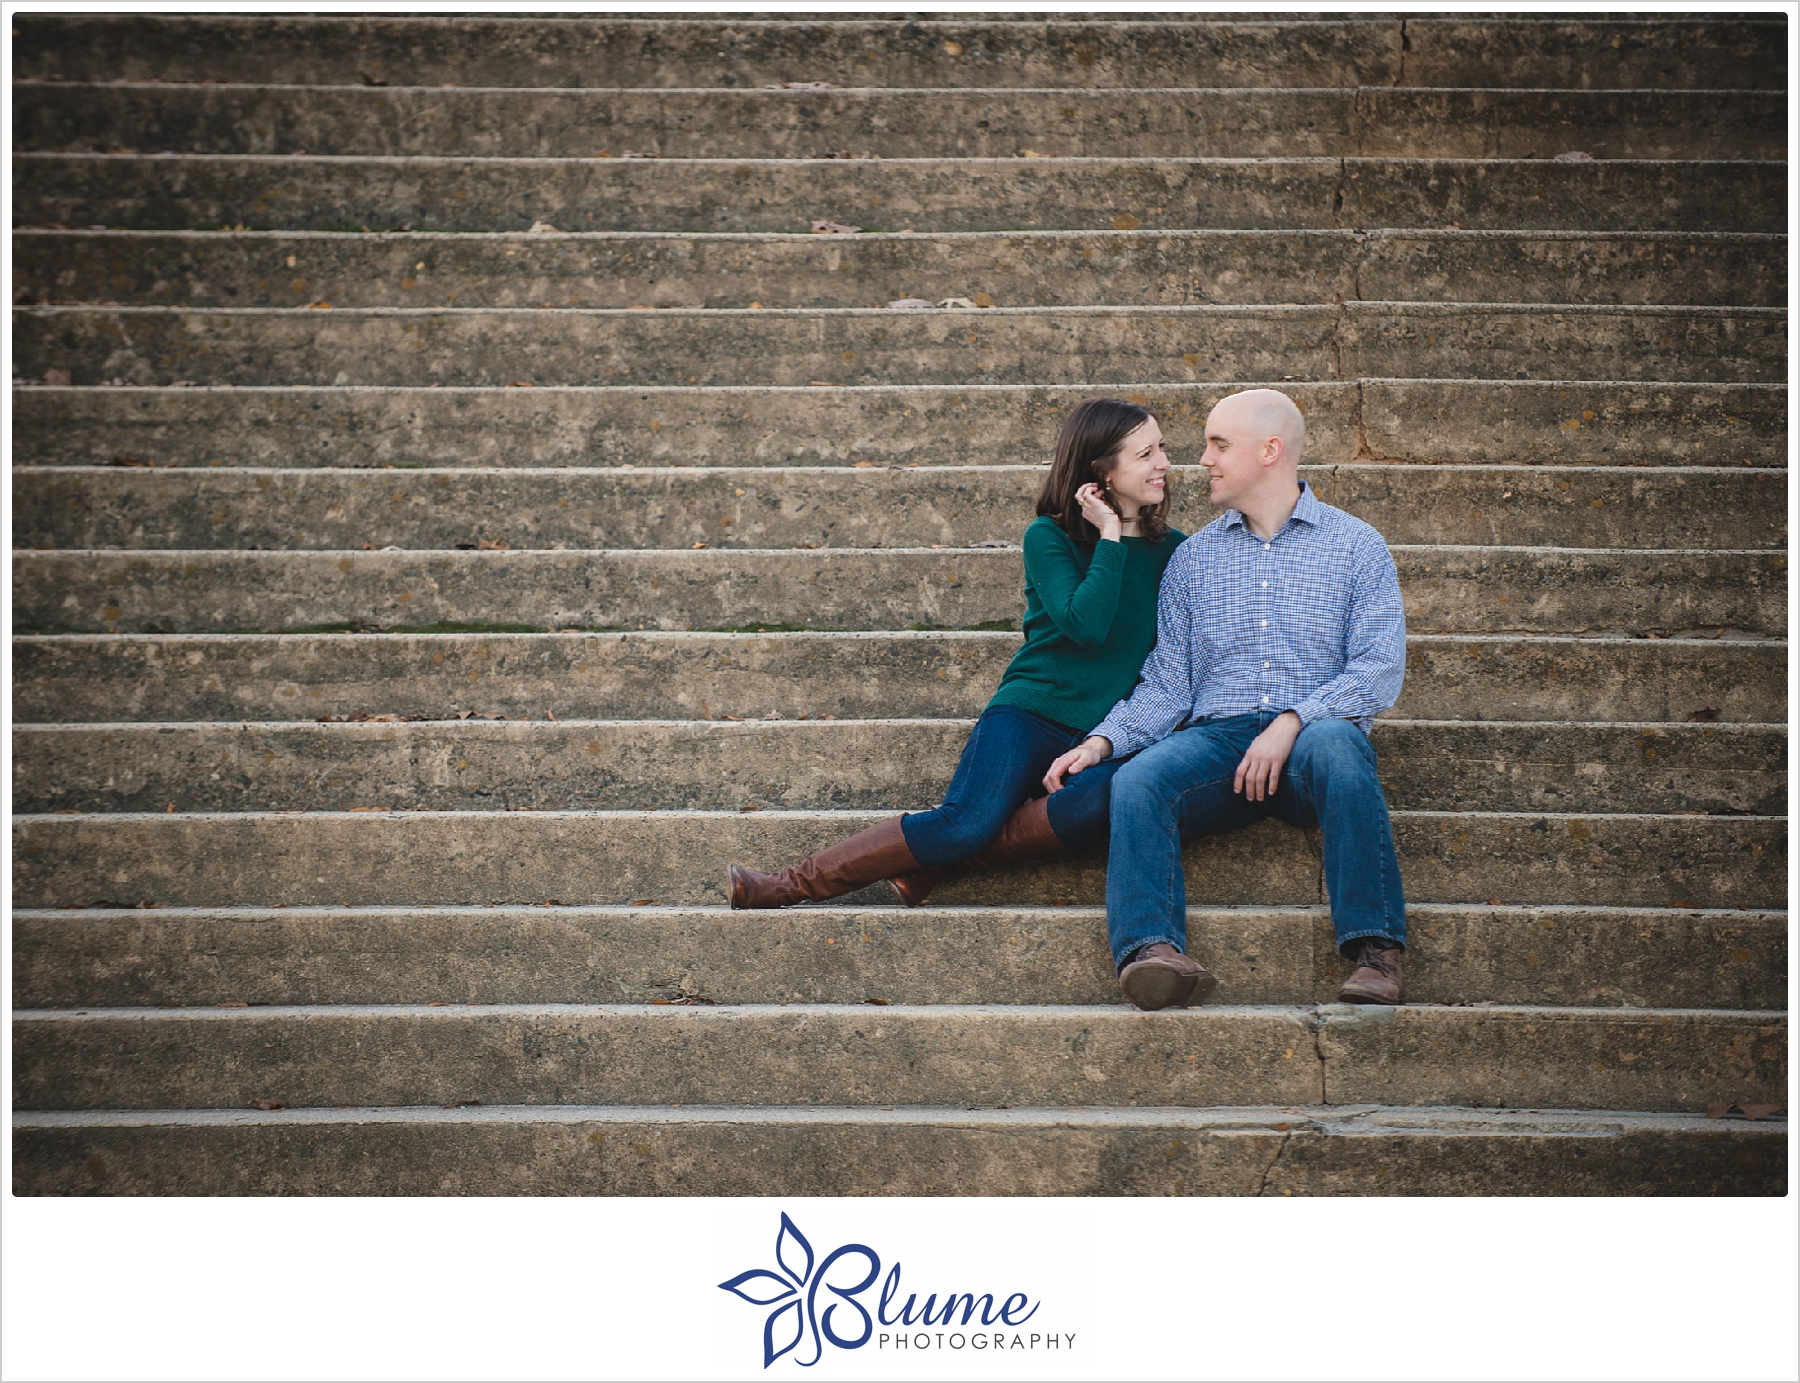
x=799, y=1326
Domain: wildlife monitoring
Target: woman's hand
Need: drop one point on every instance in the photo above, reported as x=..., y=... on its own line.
x=1098, y=512
x=1089, y=752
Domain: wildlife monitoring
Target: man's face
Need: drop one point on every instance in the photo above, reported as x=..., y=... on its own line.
x=1233, y=458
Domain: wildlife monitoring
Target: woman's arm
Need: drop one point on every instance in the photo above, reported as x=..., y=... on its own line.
x=1080, y=604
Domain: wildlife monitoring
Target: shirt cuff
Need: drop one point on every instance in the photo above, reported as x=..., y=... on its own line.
x=1310, y=710
x=1116, y=735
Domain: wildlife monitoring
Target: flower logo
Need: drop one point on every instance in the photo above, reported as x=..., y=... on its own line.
x=793, y=1292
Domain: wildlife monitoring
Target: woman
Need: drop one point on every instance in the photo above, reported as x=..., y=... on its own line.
x=1094, y=557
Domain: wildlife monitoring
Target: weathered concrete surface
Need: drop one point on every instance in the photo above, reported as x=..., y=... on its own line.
x=1020, y=269
x=1446, y=590
x=1426, y=421
x=758, y=507
x=677, y=51
x=1643, y=1059
x=1178, y=122
x=1646, y=958
x=599, y=1150
x=1523, y=422
x=350, y=859
x=872, y=676
x=874, y=765
x=804, y=346
x=595, y=1054
x=673, y=51
x=342, y=193
x=224, y=1058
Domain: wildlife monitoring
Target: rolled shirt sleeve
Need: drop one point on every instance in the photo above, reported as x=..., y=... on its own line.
x=1164, y=694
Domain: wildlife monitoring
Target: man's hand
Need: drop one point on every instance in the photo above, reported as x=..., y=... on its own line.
x=1089, y=752
x=1260, y=772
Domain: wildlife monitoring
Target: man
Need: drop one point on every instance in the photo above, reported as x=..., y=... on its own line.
x=1280, y=636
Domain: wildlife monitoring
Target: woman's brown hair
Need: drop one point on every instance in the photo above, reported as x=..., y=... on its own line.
x=1087, y=450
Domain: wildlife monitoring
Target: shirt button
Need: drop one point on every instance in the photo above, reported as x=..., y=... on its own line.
x=1265, y=624
x=1265, y=585
x=1265, y=664
x=1265, y=547
x=1265, y=701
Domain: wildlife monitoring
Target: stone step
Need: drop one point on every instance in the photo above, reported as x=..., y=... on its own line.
x=649, y=1150
x=741, y=507
x=873, y=765
x=1022, y=269
x=1094, y=346
x=939, y=51
x=1596, y=957
x=687, y=676
x=356, y=859
x=1173, y=122
x=342, y=193
x=1430, y=421
x=1471, y=590
x=848, y=1054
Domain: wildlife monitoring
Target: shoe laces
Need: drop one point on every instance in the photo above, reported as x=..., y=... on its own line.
x=1376, y=958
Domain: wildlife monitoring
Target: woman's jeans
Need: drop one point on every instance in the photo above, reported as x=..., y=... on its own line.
x=1002, y=767
x=1181, y=787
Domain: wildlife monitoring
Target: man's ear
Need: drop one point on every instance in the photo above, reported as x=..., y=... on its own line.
x=1272, y=451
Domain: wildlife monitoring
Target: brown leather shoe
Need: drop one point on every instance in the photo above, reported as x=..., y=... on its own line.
x=1376, y=978
x=837, y=869
x=1161, y=977
x=1025, y=836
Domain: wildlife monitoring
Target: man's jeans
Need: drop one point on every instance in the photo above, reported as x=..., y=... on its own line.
x=1002, y=767
x=1182, y=787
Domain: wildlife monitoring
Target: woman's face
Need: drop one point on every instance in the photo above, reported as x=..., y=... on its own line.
x=1141, y=477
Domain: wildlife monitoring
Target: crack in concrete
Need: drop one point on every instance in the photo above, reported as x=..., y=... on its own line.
x=1405, y=48
x=1262, y=1186
x=1317, y=1022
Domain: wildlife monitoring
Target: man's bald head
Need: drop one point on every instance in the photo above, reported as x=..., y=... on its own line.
x=1255, y=415
x=1253, y=445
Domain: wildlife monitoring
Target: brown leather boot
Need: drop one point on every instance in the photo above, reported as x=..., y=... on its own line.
x=842, y=868
x=1025, y=836
x=1161, y=977
x=1375, y=978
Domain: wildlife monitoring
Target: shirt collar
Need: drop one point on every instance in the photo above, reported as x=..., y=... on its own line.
x=1306, y=510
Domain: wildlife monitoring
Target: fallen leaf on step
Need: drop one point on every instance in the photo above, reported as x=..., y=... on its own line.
x=909, y=304
x=1574, y=156
x=56, y=378
x=749, y=809
x=643, y=902
x=520, y=384
x=1704, y=714
x=955, y=302
x=860, y=465
x=438, y=1003
x=883, y=1003
x=1029, y=153
x=991, y=542
x=492, y=545
x=1758, y=1111
x=170, y=808
x=367, y=80
x=983, y=300
x=834, y=228
x=1451, y=225
x=320, y=306
x=697, y=547
x=1493, y=902
x=543, y=228
x=268, y=1104
x=1125, y=221
x=953, y=48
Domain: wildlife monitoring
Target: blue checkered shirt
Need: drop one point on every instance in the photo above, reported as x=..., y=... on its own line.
x=1310, y=622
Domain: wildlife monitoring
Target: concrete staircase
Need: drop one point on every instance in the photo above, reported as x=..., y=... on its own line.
x=415, y=614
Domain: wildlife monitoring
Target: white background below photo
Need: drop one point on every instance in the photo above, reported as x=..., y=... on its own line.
x=1162, y=1289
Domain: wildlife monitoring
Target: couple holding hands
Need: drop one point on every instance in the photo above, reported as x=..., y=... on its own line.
x=1171, y=687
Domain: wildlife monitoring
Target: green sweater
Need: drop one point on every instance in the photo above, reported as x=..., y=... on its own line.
x=1090, y=621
